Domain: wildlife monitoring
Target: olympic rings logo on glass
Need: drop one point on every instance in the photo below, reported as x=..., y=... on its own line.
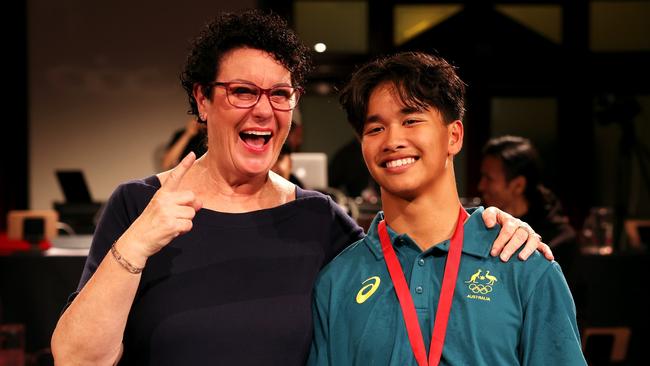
x=244, y=94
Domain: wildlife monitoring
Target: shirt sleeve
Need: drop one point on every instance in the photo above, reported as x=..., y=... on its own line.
x=550, y=332
x=319, y=354
x=343, y=231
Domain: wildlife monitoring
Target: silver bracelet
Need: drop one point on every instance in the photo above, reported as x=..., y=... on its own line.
x=123, y=262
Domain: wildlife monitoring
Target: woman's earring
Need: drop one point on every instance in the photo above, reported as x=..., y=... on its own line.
x=203, y=117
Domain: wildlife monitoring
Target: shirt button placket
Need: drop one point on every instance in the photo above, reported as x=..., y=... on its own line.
x=418, y=278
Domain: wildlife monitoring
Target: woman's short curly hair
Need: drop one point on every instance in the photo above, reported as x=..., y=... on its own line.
x=252, y=29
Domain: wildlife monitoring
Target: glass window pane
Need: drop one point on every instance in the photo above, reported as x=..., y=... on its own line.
x=533, y=118
x=544, y=19
x=341, y=25
x=620, y=26
x=411, y=20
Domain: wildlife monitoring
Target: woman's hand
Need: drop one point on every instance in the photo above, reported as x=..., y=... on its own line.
x=168, y=215
x=513, y=234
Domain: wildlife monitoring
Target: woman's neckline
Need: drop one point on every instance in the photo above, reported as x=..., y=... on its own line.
x=299, y=194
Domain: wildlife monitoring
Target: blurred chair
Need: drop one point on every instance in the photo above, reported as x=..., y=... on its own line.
x=32, y=225
x=606, y=345
x=637, y=233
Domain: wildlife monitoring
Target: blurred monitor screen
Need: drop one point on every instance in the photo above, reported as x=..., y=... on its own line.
x=310, y=168
x=73, y=185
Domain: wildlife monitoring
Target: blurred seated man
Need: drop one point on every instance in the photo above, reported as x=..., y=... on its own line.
x=347, y=171
x=282, y=166
x=190, y=138
x=295, y=137
x=510, y=180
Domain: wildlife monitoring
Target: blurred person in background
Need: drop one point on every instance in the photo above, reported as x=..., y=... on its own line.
x=190, y=138
x=348, y=172
x=283, y=166
x=511, y=180
x=295, y=138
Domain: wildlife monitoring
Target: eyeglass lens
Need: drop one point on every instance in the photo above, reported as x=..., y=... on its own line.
x=245, y=95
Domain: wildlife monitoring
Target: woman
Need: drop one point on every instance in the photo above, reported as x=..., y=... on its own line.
x=235, y=288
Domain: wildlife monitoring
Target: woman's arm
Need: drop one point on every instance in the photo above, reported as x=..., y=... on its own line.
x=90, y=330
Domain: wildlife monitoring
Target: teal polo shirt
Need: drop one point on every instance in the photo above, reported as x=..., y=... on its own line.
x=514, y=313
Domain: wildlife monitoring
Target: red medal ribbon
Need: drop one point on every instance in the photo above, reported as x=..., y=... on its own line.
x=446, y=293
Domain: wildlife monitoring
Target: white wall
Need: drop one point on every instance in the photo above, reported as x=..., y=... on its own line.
x=104, y=88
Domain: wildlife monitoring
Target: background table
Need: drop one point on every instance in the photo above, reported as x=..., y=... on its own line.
x=33, y=291
x=610, y=291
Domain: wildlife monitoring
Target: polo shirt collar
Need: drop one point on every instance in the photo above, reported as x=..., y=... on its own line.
x=477, y=239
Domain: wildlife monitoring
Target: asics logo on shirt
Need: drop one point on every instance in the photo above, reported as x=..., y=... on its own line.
x=366, y=291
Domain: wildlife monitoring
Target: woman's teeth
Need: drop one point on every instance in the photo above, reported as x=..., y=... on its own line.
x=256, y=138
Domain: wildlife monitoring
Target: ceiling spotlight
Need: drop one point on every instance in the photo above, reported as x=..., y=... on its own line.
x=323, y=88
x=320, y=47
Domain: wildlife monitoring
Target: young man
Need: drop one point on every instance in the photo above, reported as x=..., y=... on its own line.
x=383, y=299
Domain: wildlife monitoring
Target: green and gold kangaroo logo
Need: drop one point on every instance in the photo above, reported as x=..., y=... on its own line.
x=474, y=277
x=481, y=284
x=491, y=279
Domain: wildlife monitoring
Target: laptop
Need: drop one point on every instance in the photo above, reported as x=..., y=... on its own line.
x=78, y=213
x=310, y=168
x=74, y=187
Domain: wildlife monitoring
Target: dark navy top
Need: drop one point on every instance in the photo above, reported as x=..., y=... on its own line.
x=235, y=290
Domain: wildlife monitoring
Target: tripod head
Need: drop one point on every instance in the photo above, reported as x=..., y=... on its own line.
x=633, y=163
x=612, y=108
x=617, y=109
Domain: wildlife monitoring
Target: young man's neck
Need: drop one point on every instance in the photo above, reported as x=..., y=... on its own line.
x=428, y=219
